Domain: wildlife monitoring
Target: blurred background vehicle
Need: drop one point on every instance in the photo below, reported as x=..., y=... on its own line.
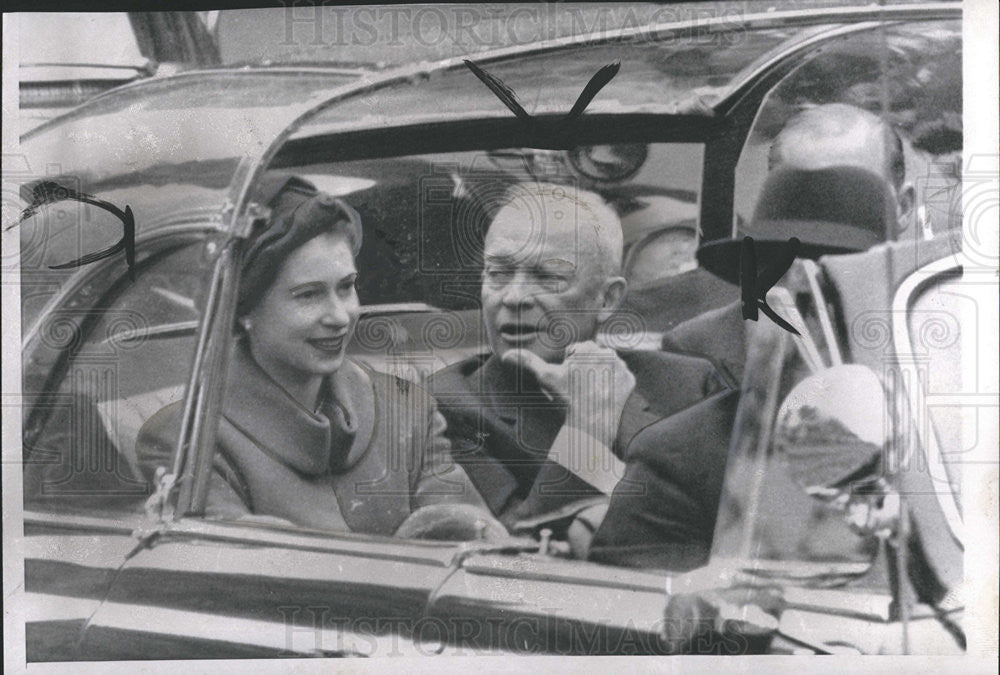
x=68, y=58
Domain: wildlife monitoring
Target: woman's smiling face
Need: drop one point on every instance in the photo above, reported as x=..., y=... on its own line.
x=300, y=329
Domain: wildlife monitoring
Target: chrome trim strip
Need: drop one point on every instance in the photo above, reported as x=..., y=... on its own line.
x=122, y=525
x=905, y=294
x=242, y=535
x=206, y=626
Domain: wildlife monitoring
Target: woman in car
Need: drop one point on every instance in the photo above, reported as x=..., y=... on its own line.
x=308, y=435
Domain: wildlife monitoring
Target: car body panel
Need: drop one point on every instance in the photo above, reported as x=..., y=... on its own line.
x=68, y=567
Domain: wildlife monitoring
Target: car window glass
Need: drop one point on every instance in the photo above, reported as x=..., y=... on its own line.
x=60, y=38
x=419, y=283
x=923, y=83
x=120, y=360
x=791, y=498
x=424, y=218
x=935, y=331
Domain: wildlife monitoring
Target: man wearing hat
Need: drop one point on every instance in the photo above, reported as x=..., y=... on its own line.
x=836, y=183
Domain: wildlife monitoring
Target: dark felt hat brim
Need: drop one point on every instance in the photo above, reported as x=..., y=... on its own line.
x=832, y=210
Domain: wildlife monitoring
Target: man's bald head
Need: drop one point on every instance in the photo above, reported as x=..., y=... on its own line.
x=837, y=134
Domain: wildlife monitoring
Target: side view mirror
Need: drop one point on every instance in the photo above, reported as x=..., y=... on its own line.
x=832, y=428
x=833, y=431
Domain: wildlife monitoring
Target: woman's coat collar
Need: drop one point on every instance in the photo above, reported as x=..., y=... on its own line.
x=313, y=444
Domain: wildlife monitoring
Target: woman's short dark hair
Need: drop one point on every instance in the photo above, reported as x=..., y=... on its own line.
x=299, y=213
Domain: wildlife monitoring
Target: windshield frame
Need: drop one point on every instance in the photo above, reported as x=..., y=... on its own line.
x=723, y=139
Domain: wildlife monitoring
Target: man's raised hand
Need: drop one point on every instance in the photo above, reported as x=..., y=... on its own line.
x=593, y=382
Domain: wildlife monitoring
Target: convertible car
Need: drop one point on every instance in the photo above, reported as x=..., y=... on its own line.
x=135, y=207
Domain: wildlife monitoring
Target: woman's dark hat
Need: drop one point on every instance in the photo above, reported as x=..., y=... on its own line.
x=840, y=209
x=299, y=212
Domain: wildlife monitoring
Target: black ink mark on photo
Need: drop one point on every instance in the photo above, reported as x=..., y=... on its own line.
x=754, y=288
x=50, y=192
x=547, y=134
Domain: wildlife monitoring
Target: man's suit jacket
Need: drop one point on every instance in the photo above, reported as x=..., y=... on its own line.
x=502, y=427
x=662, y=514
x=666, y=303
x=718, y=335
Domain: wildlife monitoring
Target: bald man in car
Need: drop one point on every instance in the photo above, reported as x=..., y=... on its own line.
x=832, y=137
x=836, y=182
x=541, y=423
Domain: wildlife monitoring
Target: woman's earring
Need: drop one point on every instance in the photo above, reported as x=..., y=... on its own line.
x=246, y=324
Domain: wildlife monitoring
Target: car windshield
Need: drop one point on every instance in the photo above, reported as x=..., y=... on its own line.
x=780, y=516
x=424, y=217
x=424, y=213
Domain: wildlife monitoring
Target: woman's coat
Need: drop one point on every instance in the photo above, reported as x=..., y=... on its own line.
x=372, y=453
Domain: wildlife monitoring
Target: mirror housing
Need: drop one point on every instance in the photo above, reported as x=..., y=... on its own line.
x=832, y=428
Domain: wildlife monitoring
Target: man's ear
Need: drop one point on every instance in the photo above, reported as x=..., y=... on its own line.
x=904, y=208
x=613, y=293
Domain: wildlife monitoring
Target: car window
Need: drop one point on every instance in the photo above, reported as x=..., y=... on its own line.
x=55, y=235
x=803, y=453
x=923, y=85
x=121, y=359
x=420, y=274
x=935, y=331
x=424, y=217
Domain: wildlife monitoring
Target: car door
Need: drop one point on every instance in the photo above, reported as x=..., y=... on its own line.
x=108, y=354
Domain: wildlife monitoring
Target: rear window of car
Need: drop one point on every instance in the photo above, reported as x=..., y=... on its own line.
x=424, y=216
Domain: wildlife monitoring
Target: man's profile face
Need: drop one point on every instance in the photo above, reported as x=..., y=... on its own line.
x=542, y=284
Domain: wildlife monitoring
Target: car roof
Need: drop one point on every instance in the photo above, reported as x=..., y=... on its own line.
x=144, y=142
